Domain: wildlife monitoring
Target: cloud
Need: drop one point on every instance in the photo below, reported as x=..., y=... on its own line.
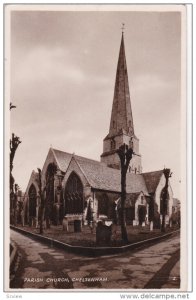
x=42, y=64
x=150, y=81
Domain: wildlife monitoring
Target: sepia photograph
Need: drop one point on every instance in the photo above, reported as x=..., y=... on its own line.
x=95, y=112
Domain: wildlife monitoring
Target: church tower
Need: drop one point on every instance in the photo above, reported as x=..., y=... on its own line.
x=121, y=124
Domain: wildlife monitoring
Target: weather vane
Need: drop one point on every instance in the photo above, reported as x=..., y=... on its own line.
x=123, y=27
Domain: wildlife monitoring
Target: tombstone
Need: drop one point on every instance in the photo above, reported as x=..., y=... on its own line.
x=103, y=234
x=134, y=223
x=77, y=226
x=65, y=224
x=151, y=225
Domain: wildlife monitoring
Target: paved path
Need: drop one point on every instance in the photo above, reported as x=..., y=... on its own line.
x=43, y=267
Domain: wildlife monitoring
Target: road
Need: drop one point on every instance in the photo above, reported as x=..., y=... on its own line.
x=43, y=267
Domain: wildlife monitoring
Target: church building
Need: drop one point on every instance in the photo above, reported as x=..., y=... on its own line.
x=73, y=184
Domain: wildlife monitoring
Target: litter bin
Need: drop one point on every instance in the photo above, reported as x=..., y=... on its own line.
x=77, y=226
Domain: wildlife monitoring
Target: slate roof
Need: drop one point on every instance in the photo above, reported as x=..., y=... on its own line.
x=152, y=180
x=100, y=176
x=63, y=159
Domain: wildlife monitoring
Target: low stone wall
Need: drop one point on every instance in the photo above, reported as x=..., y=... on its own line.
x=94, y=251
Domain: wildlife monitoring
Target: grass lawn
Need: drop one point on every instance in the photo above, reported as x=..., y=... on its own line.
x=88, y=238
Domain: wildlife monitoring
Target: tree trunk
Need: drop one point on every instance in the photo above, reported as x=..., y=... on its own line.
x=41, y=230
x=47, y=222
x=123, y=216
x=163, y=223
x=42, y=203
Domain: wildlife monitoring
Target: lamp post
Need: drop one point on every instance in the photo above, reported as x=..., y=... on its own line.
x=125, y=154
x=167, y=174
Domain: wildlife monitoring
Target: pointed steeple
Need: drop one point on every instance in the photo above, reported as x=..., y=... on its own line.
x=121, y=117
x=121, y=129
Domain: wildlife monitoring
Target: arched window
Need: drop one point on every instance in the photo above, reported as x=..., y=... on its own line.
x=74, y=195
x=32, y=201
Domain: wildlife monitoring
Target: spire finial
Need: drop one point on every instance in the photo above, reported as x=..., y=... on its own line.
x=123, y=27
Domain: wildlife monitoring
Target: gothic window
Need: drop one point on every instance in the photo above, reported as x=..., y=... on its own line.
x=142, y=199
x=74, y=184
x=74, y=195
x=32, y=201
x=135, y=170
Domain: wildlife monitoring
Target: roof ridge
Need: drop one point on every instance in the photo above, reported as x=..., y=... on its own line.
x=77, y=156
x=56, y=157
x=61, y=151
x=90, y=159
x=77, y=162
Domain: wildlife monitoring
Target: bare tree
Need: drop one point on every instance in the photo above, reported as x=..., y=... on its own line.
x=14, y=143
x=49, y=193
x=165, y=195
x=42, y=200
x=125, y=155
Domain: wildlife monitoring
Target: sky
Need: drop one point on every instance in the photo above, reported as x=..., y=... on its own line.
x=63, y=68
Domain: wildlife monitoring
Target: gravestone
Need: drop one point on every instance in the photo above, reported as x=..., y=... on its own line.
x=103, y=234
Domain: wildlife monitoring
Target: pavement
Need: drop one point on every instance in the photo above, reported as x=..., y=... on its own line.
x=44, y=267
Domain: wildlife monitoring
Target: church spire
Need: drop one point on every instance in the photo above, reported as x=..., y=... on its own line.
x=121, y=117
x=121, y=129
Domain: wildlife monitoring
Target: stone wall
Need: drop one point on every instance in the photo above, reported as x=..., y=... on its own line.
x=111, y=158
